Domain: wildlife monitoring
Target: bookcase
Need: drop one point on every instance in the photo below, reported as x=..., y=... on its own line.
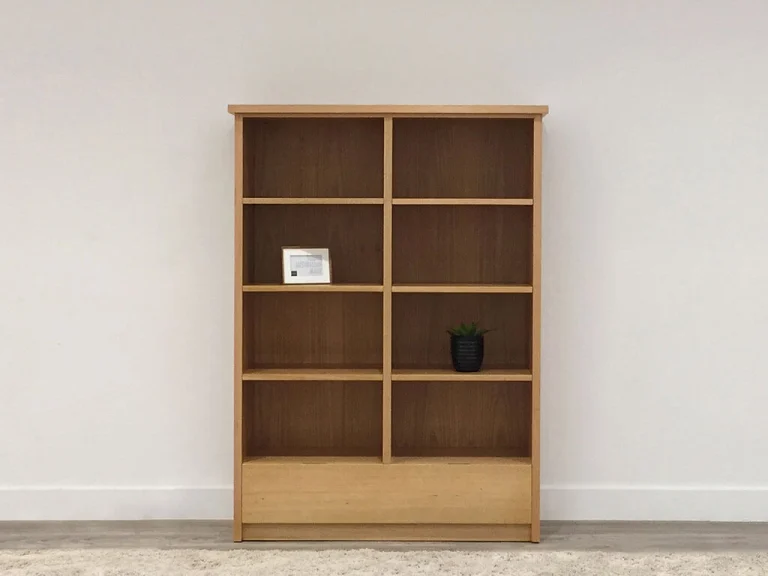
x=350, y=423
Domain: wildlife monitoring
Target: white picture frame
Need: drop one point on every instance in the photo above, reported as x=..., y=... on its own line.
x=306, y=265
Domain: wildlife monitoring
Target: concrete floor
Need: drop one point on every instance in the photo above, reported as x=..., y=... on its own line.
x=576, y=536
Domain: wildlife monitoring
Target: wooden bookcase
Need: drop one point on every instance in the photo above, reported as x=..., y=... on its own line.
x=350, y=423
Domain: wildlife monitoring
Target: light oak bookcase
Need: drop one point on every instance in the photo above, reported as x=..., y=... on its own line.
x=350, y=423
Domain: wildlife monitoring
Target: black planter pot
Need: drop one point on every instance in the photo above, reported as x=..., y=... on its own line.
x=467, y=353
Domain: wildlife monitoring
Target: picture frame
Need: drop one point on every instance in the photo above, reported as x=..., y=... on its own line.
x=303, y=265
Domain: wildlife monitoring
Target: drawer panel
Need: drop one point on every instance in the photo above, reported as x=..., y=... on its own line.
x=408, y=491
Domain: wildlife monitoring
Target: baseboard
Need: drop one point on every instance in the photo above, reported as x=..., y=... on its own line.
x=631, y=503
x=655, y=503
x=115, y=503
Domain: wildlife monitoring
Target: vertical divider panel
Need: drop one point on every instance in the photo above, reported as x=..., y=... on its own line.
x=237, y=526
x=387, y=315
x=536, y=335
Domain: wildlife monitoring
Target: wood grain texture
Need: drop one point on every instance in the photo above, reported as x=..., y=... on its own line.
x=237, y=533
x=462, y=245
x=387, y=303
x=467, y=460
x=313, y=288
x=450, y=375
x=536, y=337
x=353, y=235
x=313, y=158
x=356, y=110
x=462, y=201
x=420, y=321
x=400, y=493
x=313, y=374
x=389, y=532
x=464, y=288
x=314, y=459
x=312, y=330
x=312, y=419
x=462, y=158
x=461, y=419
x=312, y=201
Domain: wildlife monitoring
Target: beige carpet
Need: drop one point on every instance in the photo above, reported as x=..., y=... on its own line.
x=66, y=562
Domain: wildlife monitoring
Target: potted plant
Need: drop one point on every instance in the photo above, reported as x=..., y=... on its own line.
x=467, y=347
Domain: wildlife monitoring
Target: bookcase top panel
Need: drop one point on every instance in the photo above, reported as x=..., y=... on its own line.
x=372, y=111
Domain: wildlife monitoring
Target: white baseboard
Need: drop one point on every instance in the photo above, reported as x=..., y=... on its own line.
x=115, y=503
x=659, y=503
x=705, y=503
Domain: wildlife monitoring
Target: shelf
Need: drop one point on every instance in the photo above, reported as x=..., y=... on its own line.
x=462, y=244
x=396, y=201
x=447, y=375
x=313, y=288
x=323, y=332
x=462, y=159
x=403, y=288
x=311, y=419
x=401, y=460
x=313, y=374
x=419, y=322
x=313, y=158
x=375, y=375
x=352, y=233
x=461, y=419
x=463, y=201
x=464, y=288
x=397, y=111
x=313, y=201
x=500, y=460
x=266, y=460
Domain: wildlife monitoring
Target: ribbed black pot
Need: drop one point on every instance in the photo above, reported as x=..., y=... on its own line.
x=467, y=353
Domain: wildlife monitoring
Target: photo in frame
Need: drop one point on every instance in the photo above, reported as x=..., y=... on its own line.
x=306, y=265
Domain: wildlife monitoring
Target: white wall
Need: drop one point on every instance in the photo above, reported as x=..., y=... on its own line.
x=116, y=234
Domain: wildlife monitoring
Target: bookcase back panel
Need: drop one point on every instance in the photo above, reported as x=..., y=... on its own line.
x=462, y=244
x=420, y=322
x=313, y=157
x=353, y=234
x=461, y=419
x=312, y=329
x=312, y=419
x=462, y=158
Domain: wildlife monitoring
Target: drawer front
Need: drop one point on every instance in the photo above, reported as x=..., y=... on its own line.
x=495, y=491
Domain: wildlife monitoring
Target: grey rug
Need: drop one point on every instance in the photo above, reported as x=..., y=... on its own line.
x=130, y=562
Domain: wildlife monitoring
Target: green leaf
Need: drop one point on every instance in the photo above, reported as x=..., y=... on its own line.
x=465, y=329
